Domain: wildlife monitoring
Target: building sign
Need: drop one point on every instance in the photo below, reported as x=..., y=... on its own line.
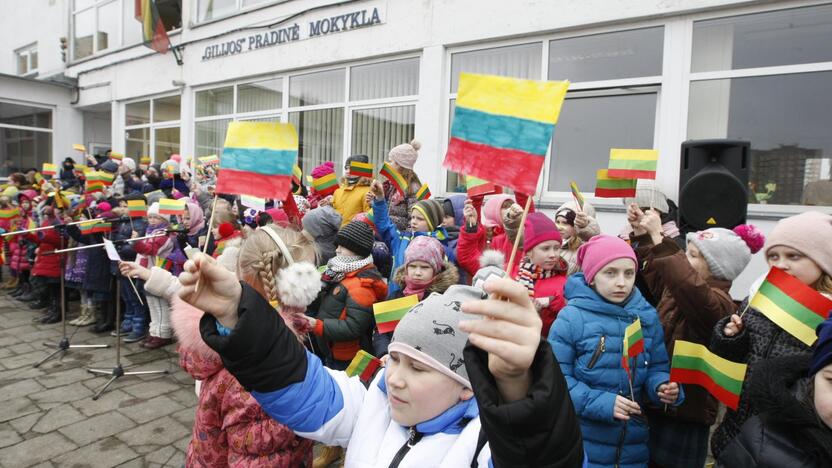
x=295, y=32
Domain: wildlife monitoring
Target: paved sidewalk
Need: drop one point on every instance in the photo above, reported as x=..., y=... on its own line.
x=48, y=417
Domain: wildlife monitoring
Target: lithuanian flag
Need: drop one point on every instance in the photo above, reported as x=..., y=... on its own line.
x=364, y=365
x=693, y=364
x=423, y=193
x=502, y=128
x=10, y=213
x=326, y=185
x=154, y=34
x=388, y=313
x=608, y=187
x=576, y=193
x=480, y=188
x=394, y=177
x=79, y=147
x=255, y=203
x=95, y=226
x=360, y=169
x=144, y=160
x=49, y=169
x=137, y=208
x=93, y=186
x=117, y=157
x=258, y=159
x=210, y=160
x=633, y=343
x=792, y=305
x=297, y=175
x=633, y=163
x=168, y=206
x=100, y=176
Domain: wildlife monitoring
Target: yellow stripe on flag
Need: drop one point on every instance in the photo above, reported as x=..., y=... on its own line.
x=269, y=135
x=524, y=99
x=731, y=369
x=784, y=320
x=634, y=154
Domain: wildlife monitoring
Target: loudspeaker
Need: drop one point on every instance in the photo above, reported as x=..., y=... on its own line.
x=713, y=184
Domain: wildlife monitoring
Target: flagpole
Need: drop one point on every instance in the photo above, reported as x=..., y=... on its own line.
x=519, y=235
x=43, y=228
x=208, y=234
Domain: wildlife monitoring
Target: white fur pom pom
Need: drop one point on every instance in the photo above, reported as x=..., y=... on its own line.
x=492, y=258
x=298, y=284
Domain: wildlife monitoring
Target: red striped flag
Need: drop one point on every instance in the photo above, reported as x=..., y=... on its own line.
x=364, y=365
x=154, y=34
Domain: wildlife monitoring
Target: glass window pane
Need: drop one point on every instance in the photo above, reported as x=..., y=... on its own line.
x=210, y=9
x=166, y=108
x=22, y=64
x=23, y=149
x=520, y=61
x=321, y=135
x=375, y=131
x=79, y=4
x=16, y=114
x=623, y=54
x=167, y=143
x=219, y=101
x=33, y=59
x=132, y=33
x=137, y=143
x=137, y=113
x=799, y=35
x=83, y=30
x=210, y=136
x=387, y=79
x=108, y=20
x=273, y=118
x=261, y=95
x=589, y=126
x=253, y=2
x=787, y=120
x=316, y=88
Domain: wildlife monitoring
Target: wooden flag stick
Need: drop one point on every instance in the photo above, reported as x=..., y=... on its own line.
x=519, y=235
x=208, y=235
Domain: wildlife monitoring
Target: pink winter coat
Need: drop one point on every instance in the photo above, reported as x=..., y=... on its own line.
x=230, y=427
x=18, y=246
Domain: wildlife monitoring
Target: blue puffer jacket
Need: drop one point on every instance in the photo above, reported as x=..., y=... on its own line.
x=589, y=323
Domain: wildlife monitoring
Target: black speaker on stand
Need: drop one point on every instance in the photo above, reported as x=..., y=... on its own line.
x=713, y=184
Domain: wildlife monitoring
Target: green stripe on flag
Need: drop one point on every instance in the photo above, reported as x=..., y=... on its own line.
x=790, y=306
x=695, y=363
x=616, y=184
x=633, y=164
x=391, y=316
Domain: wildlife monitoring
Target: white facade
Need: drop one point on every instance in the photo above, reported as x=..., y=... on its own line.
x=676, y=86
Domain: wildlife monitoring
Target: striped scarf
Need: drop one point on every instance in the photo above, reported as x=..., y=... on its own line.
x=528, y=273
x=337, y=267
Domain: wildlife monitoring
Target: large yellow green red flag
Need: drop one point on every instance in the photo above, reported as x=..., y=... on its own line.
x=693, y=364
x=388, y=313
x=169, y=206
x=154, y=34
x=502, y=128
x=792, y=305
x=633, y=163
x=49, y=169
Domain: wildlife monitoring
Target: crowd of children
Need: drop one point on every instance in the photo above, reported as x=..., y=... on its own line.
x=526, y=370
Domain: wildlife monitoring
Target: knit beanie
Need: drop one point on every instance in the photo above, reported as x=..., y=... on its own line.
x=572, y=205
x=103, y=206
x=110, y=166
x=568, y=214
x=491, y=266
x=153, y=210
x=170, y=167
x=810, y=233
x=405, y=155
x=130, y=163
x=727, y=252
x=356, y=236
x=432, y=211
x=225, y=230
x=649, y=196
x=823, y=348
x=491, y=216
x=601, y=250
x=426, y=249
x=322, y=170
x=430, y=333
x=538, y=229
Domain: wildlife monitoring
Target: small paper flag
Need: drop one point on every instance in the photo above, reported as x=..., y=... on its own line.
x=137, y=208
x=144, y=160
x=169, y=206
x=693, y=364
x=326, y=185
x=423, y=193
x=360, y=169
x=297, y=175
x=49, y=169
x=117, y=157
x=576, y=193
x=607, y=187
x=210, y=160
x=79, y=147
x=364, y=365
x=256, y=203
x=394, y=177
x=479, y=188
x=388, y=313
x=633, y=163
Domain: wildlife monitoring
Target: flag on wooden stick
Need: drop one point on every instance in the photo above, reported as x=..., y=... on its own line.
x=502, y=128
x=137, y=208
x=607, y=187
x=633, y=342
x=360, y=169
x=693, y=364
x=325, y=185
x=394, y=177
x=576, y=194
x=168, y=206
x=480, y=188
x=633, y=163
x=388, y=313
x=423, y=193
x=258, y=159
x=364, y=365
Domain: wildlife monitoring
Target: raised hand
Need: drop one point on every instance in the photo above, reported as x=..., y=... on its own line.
x=133, y=270
x=219, y=291
x=470, y=213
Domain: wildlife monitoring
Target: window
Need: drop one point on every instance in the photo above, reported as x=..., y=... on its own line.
x=375, y=112
x=208, y=10
x=623, y=54
x=27, y=60
x=784, y=115
x=152, y=128
x=25, y=137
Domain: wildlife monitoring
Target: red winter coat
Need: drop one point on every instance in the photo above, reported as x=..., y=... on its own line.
x=230, y=427
x=48, y=266
x=552, y=288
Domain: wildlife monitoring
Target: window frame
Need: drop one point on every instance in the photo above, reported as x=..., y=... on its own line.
x=239, y=9
x=152, y=125
x=26, y=51
x=49, y=130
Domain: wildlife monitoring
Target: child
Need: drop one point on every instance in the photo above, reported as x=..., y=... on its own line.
x=541, y=269
x=800, y=246
x=425, y=220
x=136, y=316
x=20, y=246
x=793, y=424
x=653, y=198
x=193, y=220
x=342, y=315
x=402, y=158
x=230, y=428
x=351, y=197
x=154, y=252
x=693, y=289
x=588, y=339
x=420, y=410
x=322, y=224
x=46, y=271
x=576, y=226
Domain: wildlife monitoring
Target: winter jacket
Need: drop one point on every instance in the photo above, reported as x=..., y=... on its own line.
x=167, y=186
x=97, y=277
x=344, y=311
x=688, y=307
x=399, y=205
x=48, y=266
x=587, y=340
x=446, y=278
x=349, y=200
x=786, y=432
x=323, y=224
x=76, y=266
x=398, y=240
x=551, y=288
x=19, y=246
x=154, y=250
x=123, y=231
x=760, y=339
x=294, y=388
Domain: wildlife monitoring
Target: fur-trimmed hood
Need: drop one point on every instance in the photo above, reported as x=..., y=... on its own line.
x=444, y=280
x=197, y=358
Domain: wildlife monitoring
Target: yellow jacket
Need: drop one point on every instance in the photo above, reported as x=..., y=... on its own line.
x=349, y=200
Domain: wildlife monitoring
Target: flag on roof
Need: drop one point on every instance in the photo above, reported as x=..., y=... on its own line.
x=154, y=34
x=502, y=128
